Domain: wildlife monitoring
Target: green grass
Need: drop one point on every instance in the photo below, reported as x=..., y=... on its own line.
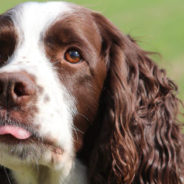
x=157, y=24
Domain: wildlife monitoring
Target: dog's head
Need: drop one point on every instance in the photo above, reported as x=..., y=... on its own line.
x=51, y=77
x=65, y=71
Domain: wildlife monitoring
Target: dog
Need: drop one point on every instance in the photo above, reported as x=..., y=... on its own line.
x=80, y=102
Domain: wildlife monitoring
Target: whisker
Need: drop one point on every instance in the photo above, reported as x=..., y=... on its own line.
x=77, y=129
x=82, y=115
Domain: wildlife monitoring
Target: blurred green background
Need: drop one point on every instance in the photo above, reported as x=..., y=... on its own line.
x=158, y=25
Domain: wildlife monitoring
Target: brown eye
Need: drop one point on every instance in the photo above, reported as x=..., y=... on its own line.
x=73, y=56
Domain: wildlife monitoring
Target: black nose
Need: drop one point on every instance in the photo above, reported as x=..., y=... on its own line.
x=16, y=89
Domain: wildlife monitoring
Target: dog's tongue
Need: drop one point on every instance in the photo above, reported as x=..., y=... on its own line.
x=17, y=132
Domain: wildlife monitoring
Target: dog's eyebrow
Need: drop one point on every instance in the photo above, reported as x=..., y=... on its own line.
x=73, y=28
x=63, y=36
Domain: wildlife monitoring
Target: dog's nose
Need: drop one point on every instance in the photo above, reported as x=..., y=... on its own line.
x=16, y=89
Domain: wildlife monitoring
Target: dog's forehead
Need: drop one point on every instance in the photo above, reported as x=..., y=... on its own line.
x=35, y=16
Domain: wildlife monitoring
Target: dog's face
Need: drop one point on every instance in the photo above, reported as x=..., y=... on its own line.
x=51, y=77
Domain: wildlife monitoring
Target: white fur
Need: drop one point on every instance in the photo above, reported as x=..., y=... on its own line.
x=54, y=118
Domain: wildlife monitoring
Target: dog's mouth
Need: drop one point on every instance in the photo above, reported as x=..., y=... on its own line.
x=15, y=131
x=13, y=126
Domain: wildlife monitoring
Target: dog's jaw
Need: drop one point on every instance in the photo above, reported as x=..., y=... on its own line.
x=66, y=171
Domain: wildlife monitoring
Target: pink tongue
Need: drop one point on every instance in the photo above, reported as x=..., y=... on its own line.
x=17, y=132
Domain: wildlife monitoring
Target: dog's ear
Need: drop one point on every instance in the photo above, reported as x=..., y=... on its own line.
x=137, y=139
x=117, y=146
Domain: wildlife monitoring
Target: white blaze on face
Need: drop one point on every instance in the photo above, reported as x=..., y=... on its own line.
x=54, y=116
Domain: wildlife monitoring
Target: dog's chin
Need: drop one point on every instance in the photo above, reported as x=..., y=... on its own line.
x=14, y=153
x=20, y=144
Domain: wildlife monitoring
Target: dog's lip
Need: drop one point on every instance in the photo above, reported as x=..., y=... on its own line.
x=16, y=131
x=27, y=135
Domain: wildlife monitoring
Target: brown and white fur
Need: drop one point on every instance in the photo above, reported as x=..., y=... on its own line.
x=110, y=118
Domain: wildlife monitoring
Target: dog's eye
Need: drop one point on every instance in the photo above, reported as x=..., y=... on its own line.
x=73, y=56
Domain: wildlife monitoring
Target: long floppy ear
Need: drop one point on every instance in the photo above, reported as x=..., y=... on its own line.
x=136, y=139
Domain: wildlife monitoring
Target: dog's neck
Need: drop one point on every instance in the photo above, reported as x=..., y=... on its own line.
x=42, y=174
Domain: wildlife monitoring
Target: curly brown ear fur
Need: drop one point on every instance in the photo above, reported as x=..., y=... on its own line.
x=137, y=138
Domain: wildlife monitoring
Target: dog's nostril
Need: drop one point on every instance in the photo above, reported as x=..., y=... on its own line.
x=19, y=89
x=16, y=89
